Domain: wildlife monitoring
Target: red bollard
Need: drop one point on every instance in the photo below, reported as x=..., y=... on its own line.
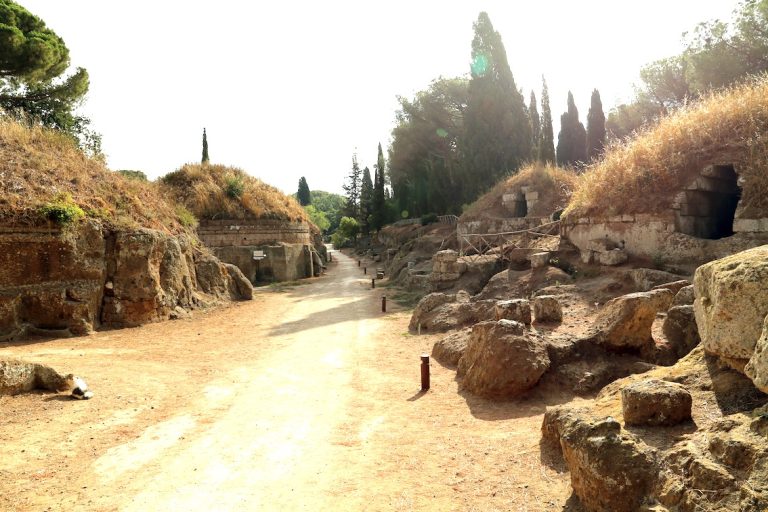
x=358, y=263
x=373, y=283
x=383, y=303
x=365, y=270
x=424, y=372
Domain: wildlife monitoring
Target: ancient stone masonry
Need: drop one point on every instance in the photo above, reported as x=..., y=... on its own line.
x=69, y=283
x=284, y=249
x=521, y=202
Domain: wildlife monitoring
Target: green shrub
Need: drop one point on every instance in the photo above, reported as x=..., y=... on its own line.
x=234, y=187
x=62, y=210
x=133, y=175
x=186, y=217
x=338, y=240
x=428, y=218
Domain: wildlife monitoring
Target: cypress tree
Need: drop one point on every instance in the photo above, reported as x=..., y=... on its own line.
x=366, y=201
x=303, y=194
x=572, y=140
x=379, y=199
x=533, y=115
x=497, y=137
x=595, y=127
x=547, y=138
x=205, y=147
x=352, y=189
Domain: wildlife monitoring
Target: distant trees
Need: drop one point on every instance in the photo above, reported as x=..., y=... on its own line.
x=366, y=202
x=330, y=205
x=595, y=127
x=533, y=115
x=205, y=158
x=352, y=190
x=379, y=215
x=572, y=140
x=717, y=54
x=303, y=195
x=33, y=62
x=547, y=139
x=497, y=135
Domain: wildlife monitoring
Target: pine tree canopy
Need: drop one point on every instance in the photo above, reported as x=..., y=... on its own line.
x=303, y=195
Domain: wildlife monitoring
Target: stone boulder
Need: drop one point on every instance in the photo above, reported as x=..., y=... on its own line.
x=539, y=259
x=613, y=257
x=427, y=304
x=448, y=350
x=546, y=308
x=502, y=360
x=680, y=329
x=757, y=367
x=674, y=286
x=240, y=288
x=655, y=402
x=625, y=322
x=646, y=278
x=21, y=377
x=611, y=470
x=518, y=310
x=684, y=297
x=732, y=302
x=440, y=312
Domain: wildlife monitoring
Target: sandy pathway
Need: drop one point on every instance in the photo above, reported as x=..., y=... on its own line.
x=302, y=400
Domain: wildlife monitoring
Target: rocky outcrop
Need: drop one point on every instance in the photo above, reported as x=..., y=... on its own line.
x=502, y=360
x=449, y=350
x=71, y=282
x=684, y=296
x=655, y=402
x=440, y=312
x=546, y=308
x=680, y=329
x=626, y=321
x=647, y=278
x=21, y=377
x=518, y=310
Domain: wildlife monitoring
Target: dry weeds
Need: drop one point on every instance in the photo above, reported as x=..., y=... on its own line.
x=644, y=174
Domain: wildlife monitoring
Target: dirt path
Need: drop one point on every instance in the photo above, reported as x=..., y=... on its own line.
x=301, y=400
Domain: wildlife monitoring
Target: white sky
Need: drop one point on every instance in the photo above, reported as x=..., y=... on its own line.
x=292, y=88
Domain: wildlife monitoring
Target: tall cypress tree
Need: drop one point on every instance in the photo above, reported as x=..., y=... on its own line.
x=572, y=140
x=303, y=194
x=205, y=147
x=352, y=189
x=595, y=127
x=379, y=199
x=533, y=114
x=366, y=201
x=547, y=140
x=497, y=137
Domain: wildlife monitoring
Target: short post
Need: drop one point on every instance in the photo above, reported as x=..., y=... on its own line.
x=383, y=303
x=373, y=283
x=424, y=372
x=418, y=329
x=358, y=263
x=365, y=270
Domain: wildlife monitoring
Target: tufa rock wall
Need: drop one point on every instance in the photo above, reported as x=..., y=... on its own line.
x=71, y=282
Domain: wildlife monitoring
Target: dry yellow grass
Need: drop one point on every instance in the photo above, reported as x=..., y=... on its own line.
x=37, y=165
x=220, y=192
x=644, y=174
x=553, y=184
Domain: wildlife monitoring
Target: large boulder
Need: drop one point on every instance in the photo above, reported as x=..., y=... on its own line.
x=626, y=321
x=648, y=278
x=655, y=402
x=732, y=302
x=21, y=377
x=438, y=312
x=684, y=296
x=502, y=360
x=611, y=470
x=680, y=329
x=757, y=367
x=546, y=308
x=427, y=304
x=518, y=310
x=449, y=350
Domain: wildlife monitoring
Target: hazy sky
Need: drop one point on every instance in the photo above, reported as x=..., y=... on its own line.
x=292, y=88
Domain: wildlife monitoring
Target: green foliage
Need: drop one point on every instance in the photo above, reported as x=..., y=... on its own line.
x=303, y=195
x=497, y=134
x=428, y=218
x=547, y=142
x=366, y=201
x=535, y=120
x=205, y=159
x=379, y=214
x=349, y=228
x=352, y=190
x=186, y=217
x=33, y=60
x=62, y=210
x=133, y=175
x=330, y=205
x=716, y=55
x=339, y=240
x=595, y=127
x=318, y=218
x=234, y=187
x=572, y=140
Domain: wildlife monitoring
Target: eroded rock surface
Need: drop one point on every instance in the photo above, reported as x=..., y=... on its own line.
x=655, y=402
x=626, y=321
x=21, y=377
x=449, y=350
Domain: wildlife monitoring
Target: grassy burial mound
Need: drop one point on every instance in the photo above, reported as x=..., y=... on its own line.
x=82, y=246
x=645, y=174
x=220, y=192
x=45, y=178
x=552, y=187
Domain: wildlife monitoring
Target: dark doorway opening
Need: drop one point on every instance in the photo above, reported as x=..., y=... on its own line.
x=708, y=205
x=520, y=208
